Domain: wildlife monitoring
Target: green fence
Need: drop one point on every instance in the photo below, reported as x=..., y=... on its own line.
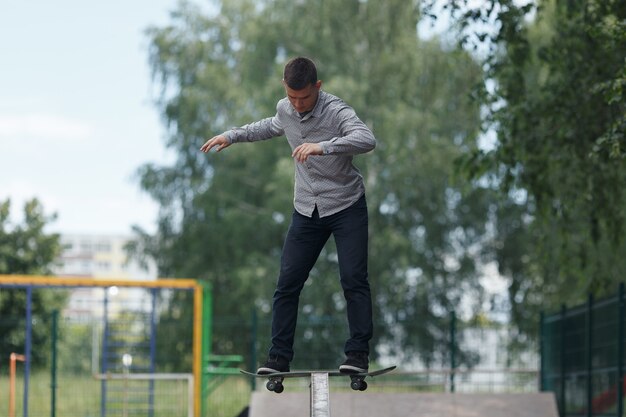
x=465, y=357
x=582, y=357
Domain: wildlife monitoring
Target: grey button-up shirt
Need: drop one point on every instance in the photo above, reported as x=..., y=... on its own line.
x=329, y=181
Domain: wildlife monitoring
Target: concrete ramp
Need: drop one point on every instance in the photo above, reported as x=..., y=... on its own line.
x=364, y=404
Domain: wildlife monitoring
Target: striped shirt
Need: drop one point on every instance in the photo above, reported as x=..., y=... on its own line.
x=330, y=181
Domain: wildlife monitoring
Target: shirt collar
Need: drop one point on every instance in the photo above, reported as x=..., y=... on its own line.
x=317, y=109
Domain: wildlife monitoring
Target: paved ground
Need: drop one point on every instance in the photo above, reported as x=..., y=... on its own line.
x=365, y=404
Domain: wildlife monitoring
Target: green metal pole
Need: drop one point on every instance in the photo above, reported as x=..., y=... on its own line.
x=620, y=351
x=452, y=349
x=253, y=345
x=53, y=371
x=589, y=348
x=562, y=389
x=542, y=352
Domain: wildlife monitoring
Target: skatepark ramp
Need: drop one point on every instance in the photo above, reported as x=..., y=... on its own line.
x=361, y=404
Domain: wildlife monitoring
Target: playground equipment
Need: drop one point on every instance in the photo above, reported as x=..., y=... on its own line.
x=14, y=357
x=122, y=344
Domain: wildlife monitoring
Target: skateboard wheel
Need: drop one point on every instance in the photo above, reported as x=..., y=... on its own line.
x=356, y=385
x=279, y=388
x=363, y=386
x=271, y=386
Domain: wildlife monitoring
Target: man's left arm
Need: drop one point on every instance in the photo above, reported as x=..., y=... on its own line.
x=355, y=138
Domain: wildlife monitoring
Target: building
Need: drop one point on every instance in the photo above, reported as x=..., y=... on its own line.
x=101, y=257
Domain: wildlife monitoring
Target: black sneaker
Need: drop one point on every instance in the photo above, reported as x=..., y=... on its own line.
x=356, y=362
x=273, y=365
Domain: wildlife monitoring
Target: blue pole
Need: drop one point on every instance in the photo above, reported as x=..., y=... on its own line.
x=153, y=326
x=27, y=348
x=103, y=370
x=53, y=373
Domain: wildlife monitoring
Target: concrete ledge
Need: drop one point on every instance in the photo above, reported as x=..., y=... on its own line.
x=360, y=404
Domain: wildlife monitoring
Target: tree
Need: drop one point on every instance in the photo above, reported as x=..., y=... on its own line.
x=223, y=217
x=554, y=95
x=26, y=249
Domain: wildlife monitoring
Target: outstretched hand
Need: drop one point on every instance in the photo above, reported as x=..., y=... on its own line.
x=218, y=142
x=302, y=152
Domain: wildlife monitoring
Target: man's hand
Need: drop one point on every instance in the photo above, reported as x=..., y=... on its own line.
x=219, y=141
x=302, y=152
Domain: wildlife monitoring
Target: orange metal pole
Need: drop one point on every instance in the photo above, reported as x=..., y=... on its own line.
x=12, y=385
x=13, y=358
x=197, y=350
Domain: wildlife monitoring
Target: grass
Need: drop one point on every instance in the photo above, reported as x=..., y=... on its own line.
x=76, y=396
x=80, y=396
x=229, y=398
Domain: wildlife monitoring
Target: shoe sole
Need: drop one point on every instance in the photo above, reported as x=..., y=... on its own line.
x=351, y=369
x=266, y=371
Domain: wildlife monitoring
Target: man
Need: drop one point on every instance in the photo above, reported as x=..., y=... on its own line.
x=329, y=198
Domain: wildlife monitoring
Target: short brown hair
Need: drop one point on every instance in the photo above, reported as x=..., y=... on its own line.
x=300, y=72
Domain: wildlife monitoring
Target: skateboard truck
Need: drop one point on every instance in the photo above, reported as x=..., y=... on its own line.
x=275, y=384
x=358, y=383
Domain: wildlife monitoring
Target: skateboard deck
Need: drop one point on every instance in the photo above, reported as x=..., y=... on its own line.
x=357, y=380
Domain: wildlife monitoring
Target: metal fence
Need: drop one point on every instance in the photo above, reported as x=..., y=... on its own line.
x=498, y=363
x=113, y=349
x=582, y=357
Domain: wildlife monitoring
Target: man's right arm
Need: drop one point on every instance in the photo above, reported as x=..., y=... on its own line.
x=261, y=130
x=252, y=132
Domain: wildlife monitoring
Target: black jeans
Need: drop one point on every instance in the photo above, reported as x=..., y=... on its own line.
x=304, y=242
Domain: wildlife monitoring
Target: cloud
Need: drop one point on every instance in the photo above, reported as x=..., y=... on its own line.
x=79, y=208
x=43, y=126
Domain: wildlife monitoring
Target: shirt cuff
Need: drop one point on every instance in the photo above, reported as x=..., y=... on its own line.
x=326, y=147
x=230, y=135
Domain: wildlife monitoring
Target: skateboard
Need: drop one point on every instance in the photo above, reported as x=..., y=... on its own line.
x=357, y=380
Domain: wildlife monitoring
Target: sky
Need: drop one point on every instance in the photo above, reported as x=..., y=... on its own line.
x=77, y=114
x=77, y=117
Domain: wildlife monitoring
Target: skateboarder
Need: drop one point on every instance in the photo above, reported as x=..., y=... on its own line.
x=329, y=198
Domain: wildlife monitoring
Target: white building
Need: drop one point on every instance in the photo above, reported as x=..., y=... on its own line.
x=101, y=257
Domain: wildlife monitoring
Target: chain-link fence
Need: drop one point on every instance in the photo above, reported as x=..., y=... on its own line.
x=485, y=357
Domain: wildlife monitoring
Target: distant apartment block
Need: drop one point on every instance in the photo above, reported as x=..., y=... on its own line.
x=101, y=257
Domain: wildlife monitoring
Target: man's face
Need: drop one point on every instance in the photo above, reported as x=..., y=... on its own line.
x=303, y=100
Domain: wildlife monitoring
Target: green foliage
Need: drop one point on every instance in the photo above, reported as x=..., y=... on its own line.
x=174, y=341
x=554, y=95
x=75, y=347
x=26, y=249
x=223, y=216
